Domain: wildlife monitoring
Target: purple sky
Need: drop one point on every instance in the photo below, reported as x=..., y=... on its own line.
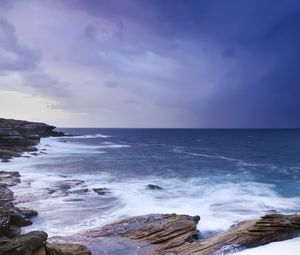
x=151, y=63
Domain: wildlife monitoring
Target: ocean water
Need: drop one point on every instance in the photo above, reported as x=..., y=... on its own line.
x=224, y=176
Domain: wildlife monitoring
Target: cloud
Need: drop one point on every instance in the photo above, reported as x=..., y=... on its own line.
x=14, y=55
x=17, y=59
x=45, y=84
x=112, y=84
x=195, y=63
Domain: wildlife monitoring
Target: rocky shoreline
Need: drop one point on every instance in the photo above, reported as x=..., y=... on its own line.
x=149, y=234
x=18, y=136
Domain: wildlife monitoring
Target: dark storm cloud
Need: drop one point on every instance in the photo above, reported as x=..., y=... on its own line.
x=263, y=37
x=206, y=63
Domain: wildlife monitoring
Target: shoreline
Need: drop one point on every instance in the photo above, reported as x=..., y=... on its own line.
x=186, y=239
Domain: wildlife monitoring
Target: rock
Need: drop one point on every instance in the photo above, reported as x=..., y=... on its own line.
x=18, y=219
x=28, y=213
x=178, y=234
x=101, y=191
x=66, y=249
x=40, y=251
x=68, y=184
x=18, y=136
x=153, y=187
x=11, y=217
x=138, y=235
x=9, y=178
x=78, y=191
x=23, y=244
x=251, y=233
x=13, y=231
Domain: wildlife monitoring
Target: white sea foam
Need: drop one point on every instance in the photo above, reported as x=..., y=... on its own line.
x=87, y=136
x=238, y=161
x=219, y=204
x=288, y=247
x=58, y=146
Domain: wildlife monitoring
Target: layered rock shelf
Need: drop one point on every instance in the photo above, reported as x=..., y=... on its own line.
x=167, y=234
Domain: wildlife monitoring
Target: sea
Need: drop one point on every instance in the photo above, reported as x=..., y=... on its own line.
x=223, y=175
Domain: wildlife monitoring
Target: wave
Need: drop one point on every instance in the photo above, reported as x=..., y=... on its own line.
x=87, y=136
x=238, y=161
x=219, y=204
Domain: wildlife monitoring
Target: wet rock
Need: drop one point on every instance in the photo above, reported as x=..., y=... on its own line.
x=9, y=178
x=66, y=185
x=153, y=187
x=28, y=213
x=73, y=200
x=78, y=191
x=23, y=244
x=50, y=191
x=66, y=249
x=18, y=219
x=101, y=191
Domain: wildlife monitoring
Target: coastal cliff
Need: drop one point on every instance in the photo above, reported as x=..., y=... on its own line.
x=18, y=136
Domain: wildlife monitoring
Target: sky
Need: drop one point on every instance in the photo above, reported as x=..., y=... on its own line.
x=151, y=63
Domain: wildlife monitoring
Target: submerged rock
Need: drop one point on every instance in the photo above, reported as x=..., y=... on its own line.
x=153, y=187
x=78, y=191
x=101, y=191
x=29, y=213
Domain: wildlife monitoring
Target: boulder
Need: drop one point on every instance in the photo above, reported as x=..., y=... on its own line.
x=66, y=249
x=23, y=244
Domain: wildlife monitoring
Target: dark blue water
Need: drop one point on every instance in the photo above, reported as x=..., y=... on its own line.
x=224, y=176
x=267, y=156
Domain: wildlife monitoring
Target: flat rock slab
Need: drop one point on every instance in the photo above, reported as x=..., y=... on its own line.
x=171, y=234
x=66, y=249
x=139, y=235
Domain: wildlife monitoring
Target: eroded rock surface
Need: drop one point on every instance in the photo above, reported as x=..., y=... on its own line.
x=178, y=234
x=66, y=249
